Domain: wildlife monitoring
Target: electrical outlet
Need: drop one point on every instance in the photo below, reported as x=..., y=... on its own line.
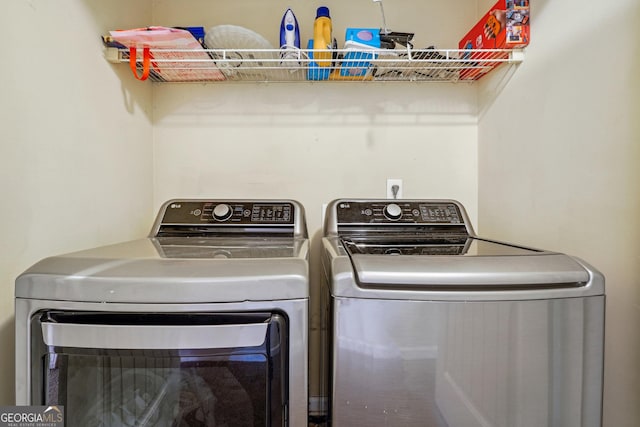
x=394, y=188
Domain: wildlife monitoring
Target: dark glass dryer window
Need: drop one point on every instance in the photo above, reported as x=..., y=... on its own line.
x=182, y=387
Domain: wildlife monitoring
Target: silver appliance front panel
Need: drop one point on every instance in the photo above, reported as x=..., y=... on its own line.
x=296, y=311
x=202, y=256
x=467, y=364
x=426, y=324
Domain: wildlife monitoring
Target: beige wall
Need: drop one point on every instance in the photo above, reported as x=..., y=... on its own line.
x=75, y=143
x=558, y=164
x=81, y=139
x=315, y=142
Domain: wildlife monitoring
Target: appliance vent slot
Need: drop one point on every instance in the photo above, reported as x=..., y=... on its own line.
x=219, y=231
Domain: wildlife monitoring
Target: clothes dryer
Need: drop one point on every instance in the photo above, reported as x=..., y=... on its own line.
x=202, y=323
x=428, y=324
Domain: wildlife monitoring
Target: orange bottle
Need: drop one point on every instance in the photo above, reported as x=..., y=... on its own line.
x=322, y=38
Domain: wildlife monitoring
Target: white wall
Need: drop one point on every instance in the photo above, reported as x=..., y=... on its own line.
x=558, y=164
x=75, y=148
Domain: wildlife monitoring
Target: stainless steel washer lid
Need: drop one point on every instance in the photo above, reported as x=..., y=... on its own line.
x=427, y=250
x=136, y=272
x=536, y=270
x=538, y=275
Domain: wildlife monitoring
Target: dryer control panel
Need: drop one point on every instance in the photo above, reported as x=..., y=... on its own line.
x=229, y=212
x=372, y=218
x=398, y=211
x=229, y=216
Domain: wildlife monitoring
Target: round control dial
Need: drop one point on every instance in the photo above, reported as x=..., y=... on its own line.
x=222, y=212
x=393, y=211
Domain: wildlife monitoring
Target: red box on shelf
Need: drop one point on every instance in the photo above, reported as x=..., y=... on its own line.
x=504, y=26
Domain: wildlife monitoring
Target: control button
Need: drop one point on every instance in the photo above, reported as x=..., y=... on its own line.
x=393, y=211
x=222, y=212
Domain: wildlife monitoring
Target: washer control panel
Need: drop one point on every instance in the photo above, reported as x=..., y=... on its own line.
x=398, y=211
x=230, y=212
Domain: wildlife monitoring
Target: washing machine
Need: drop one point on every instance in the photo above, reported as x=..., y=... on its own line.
x=426, y=324
x=203, y=323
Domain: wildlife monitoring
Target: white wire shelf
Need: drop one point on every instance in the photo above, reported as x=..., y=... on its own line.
x=275, y=65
